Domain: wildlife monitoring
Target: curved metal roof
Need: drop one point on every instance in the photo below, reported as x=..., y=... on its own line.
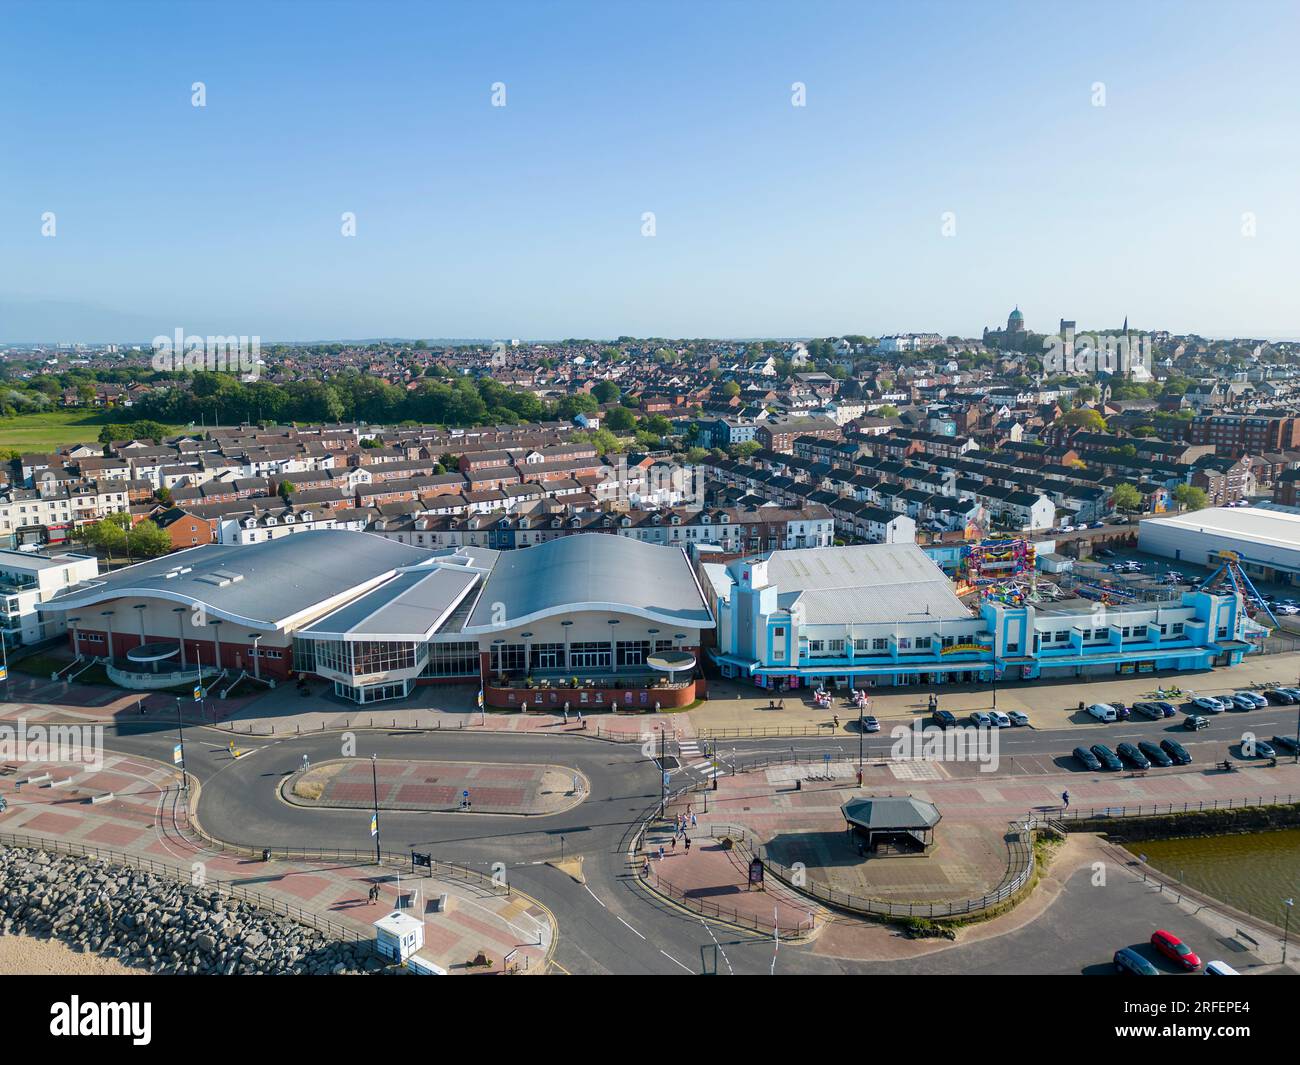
x=590, y=571
x=263, y=585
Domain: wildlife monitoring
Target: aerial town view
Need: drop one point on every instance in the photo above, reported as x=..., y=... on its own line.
x=652, y=489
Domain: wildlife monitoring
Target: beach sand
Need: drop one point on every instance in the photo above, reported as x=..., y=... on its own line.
x=25, y=956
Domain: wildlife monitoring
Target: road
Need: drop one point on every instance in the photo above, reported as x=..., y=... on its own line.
x=609, y=924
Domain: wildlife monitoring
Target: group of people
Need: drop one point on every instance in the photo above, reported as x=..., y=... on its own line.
x=681, y=822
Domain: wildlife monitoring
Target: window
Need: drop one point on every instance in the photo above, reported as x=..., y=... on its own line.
x=506, y=657
x=589, y=655
x=547, y=656
x=452, y=660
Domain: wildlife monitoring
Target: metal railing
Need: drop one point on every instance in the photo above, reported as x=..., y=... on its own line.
x=1020, y=868
x=186, y=878
x=1073, y=818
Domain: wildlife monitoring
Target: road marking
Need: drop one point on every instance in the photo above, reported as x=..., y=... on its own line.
x=629, y=927
x=718, y=945
x=594, y=896
x=676, y=962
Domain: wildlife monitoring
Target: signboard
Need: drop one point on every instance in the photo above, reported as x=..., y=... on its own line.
x=756, y=871
x=198, y=693
x=424, y=860
x=176, y=754
x=4, y=672
x=374, y=824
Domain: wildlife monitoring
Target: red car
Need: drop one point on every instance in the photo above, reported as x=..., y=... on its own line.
x=1175, y=950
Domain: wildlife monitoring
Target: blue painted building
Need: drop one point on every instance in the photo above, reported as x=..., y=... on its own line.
x=885, y=615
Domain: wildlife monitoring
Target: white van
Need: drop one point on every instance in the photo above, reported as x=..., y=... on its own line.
x=1220, y=968
x=1103, y=712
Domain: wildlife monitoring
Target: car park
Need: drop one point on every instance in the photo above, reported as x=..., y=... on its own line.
x=1176, y=751
x=1017, y=718
x=1278, y=697
x=1103, y=712
x=1249, y=700
x=999, y=719
x=870, y=724
x=1194, y=722
x=981, y=720
x=1128, y=960
x=944, y=718
x=1087, y=758
x=1207, y=703
x=1155, y=754
x=1133, y=756
x=1264, y=750
x=1286, y=743
x=1108, y=758
x=1175, y=950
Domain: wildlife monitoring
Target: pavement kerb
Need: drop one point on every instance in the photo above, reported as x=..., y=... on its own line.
x=568, y=771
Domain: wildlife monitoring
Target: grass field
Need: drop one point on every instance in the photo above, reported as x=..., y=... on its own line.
x=45, y=432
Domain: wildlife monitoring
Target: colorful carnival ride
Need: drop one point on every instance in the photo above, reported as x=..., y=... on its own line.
x=1003, y=571
x=1230, y=579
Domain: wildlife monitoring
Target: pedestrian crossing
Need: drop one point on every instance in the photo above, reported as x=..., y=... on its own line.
x=691, y=757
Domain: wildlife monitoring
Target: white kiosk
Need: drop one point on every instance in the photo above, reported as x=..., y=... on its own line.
x=398, y=936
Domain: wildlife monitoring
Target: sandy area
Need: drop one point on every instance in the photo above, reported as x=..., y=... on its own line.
x=25, y=956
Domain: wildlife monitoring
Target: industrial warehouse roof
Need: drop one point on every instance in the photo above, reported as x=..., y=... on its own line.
x=865, y=583
x=264, y=584
x=591, y=571
x=411, y=604
x=1254, y=525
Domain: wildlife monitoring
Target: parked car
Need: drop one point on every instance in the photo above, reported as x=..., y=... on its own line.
x=1148, y=710
x=1128, y=960
x=870, y=724
x=1155, y=754
x=1207, y=703
x=1122, y=711
x=1176, y=751
x=1087, y=758
x=1175, y=950
x=1264, y=750
x=1108, y=758
x=1220, y=968
x=1247, y=700
x=1194, y=722
x=944, y=719
x=1293, y=692
x=1278, y=696
x=1286, y=743
x=1105, y=552
x=1133, y=756
x=981, y=720
x=1017, y=718
x=1166, y=709
x=999, y=719
x=1133, y=566
x=1288, y=609
x=1103, y=712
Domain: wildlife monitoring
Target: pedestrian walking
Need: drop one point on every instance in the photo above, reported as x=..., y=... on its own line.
x=661, y=852
x=688, y=844
x=1065, y=798
x=693, y=821
x=672, y=847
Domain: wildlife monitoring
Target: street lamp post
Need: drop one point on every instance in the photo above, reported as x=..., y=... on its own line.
x=1286, y=926
x=180, y=732
x=374, y=780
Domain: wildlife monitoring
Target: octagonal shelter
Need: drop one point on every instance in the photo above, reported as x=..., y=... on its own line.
x=891, y=824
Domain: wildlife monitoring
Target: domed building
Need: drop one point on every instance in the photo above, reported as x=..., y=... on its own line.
x=1012, y=337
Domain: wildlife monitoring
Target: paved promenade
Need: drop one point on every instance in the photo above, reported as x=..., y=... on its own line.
x=146, y=821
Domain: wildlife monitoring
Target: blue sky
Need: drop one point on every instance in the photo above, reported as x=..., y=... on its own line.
x=525, y=221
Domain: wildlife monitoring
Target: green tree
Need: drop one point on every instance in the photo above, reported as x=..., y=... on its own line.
x=1127, y=499
x=1189, y=497
x=620, y=420
x=606, y=391
x=148, y=540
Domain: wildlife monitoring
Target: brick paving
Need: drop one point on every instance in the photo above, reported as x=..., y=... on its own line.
x=440, y=786
x=146, y=820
